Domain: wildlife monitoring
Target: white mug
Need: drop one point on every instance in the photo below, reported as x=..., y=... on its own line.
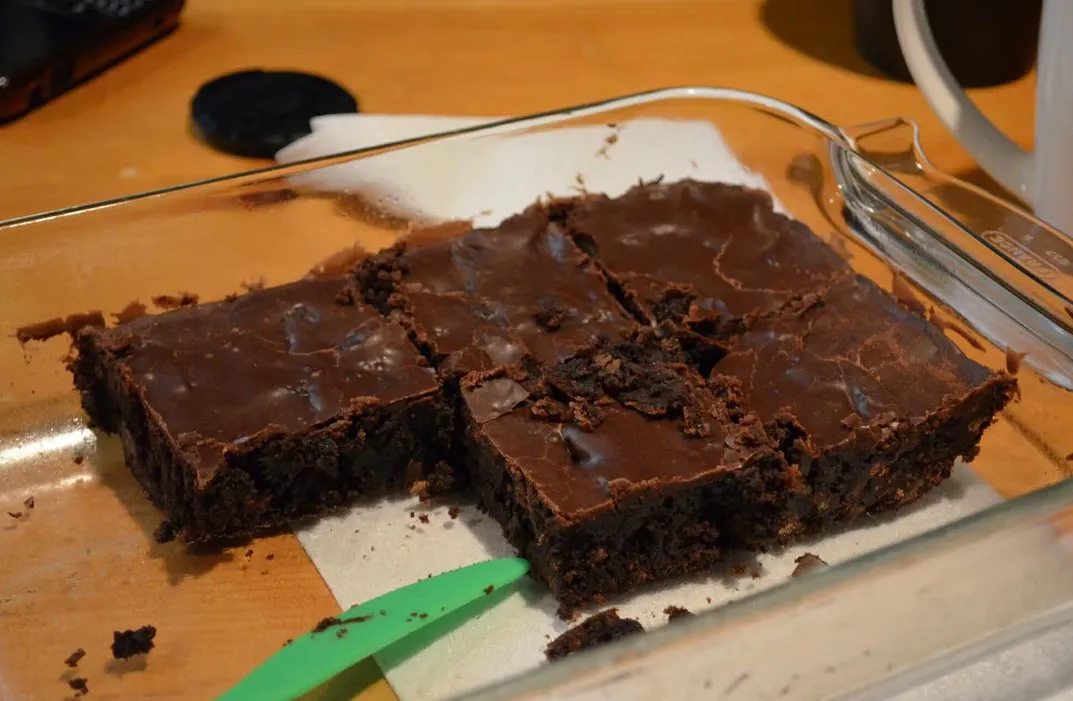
x=1042, y=177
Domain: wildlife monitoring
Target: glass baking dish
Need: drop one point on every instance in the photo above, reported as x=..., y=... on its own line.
x=994, y=277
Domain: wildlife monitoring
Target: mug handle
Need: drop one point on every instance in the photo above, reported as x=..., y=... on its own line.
x=1003, y=160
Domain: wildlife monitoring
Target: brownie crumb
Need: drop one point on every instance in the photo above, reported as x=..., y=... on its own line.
x=132, y=642
x=423, y=615
x=75, y=657
x=708, y=599
x=738, y=570
x=132, y=311
x=903, y=292
x=1069, y=457
x=341, y=633
x=807, y=563
x=550, y=313
x=851, y=421
x=270, y=556
x=15, y=514
x=598, y=629
x=288, y=641
x=183, y=299
x=332, y=621
x=29, y=502
x=489, y=589
x=423, y=518
x=254, y=285
x=420, y=489
x=1014, y=360
x=81, y=688
x=676, y=612
x=78, y=459
x=165, y=532
x=71, y=324
x=454, y=511
x=248, y=554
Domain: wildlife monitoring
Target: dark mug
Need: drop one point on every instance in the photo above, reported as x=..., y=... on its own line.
x=983, y=42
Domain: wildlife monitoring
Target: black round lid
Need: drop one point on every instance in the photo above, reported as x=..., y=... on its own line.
x=256, y=113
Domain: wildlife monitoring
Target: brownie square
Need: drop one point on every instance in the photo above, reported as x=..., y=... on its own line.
x=493, y=296
x=871, y=402
x=618, y=468
x=707, y=254
x=249, y=413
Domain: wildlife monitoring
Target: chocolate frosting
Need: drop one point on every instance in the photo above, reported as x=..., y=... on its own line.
x=284, y=358
x=723, y=243
x=492, y=290
x=856, y=352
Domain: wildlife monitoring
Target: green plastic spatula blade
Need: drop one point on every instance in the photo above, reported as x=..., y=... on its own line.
x=314, y=658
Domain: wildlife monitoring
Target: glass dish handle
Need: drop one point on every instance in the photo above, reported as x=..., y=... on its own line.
x=1009, y=274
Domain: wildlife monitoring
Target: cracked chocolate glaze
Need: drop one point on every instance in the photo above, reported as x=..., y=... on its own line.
x=722, y=246
x=855, y=353
x=280, y=359
x=483, y=294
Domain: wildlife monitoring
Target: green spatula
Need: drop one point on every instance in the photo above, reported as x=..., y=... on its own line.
x=367, y=628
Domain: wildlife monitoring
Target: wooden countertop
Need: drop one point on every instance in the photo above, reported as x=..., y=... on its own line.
x=127, y=131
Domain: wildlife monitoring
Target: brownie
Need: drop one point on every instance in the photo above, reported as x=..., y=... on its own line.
x=707, y=254
x=252, y=412
x=493, y=296
x=870, y=401
x=618, y=467
x=598, y=629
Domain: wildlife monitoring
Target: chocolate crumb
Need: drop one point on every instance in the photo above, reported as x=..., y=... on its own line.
x=270, y=556
x=1069, y=457
x=128, y=643
x=423, y=518
x=342, y=632
x=807, y=563
x=132, y=311
x=79, y=685
x=165, y=532
x=851, y=421
x=78, y=459
x=489, y=589
x=738, y=570
x=550, y=313
x=332, y=621
x=904, y=293
x=599, y=629
x=288, y=641
x=1014, y=360
x=71, y=324
x=183, y=299
x=708, y=599
x=248, y=554
x=424, y=615
x=74, y=658
x=15, y=514
x=454, y=511
x=29, y=502
x=676, y=612
x=254, y=285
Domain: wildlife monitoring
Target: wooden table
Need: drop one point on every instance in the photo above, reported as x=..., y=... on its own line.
x=127, y=131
